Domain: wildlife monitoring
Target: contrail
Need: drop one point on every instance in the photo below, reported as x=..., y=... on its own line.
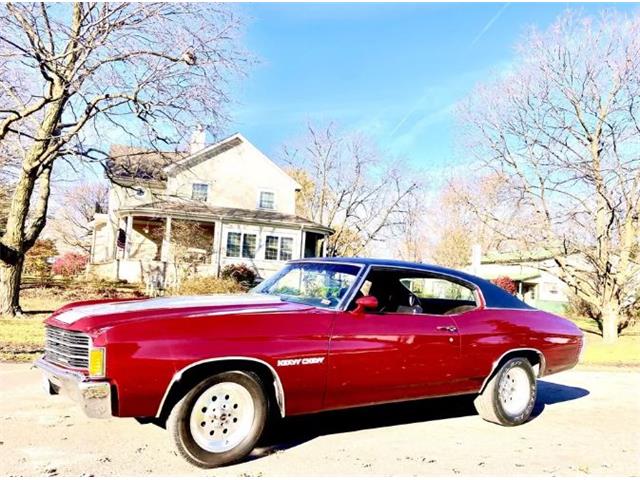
x=406, y=117
x=424, y=97
x=489, y=23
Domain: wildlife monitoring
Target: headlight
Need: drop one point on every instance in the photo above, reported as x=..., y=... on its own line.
x=97, y=362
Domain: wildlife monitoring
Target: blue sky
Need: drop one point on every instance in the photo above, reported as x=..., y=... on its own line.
x=392, y=71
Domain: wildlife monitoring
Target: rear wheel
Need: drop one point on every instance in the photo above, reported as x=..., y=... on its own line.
x=220, y=420
x=510, y=395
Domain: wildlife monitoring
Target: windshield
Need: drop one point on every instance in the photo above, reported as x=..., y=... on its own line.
x=316, y=284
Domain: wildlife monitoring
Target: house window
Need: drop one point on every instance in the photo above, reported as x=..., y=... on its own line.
x=233, y=244
x=199, y=192
x=249, y=245
x=238, y=243
x=271, y=248
x=278, y=248
x=286, y=248
x=267, y=200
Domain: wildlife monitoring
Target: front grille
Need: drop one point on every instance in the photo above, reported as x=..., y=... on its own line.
x=67, y=348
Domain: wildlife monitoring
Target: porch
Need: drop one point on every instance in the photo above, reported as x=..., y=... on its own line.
x=159, y=246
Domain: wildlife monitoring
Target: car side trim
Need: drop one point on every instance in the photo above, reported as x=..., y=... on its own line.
x=277, y=383
x=494, y=366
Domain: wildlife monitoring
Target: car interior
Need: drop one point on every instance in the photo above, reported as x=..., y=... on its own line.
x=416, y=292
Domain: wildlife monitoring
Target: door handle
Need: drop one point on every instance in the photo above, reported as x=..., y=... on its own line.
x=447, y=328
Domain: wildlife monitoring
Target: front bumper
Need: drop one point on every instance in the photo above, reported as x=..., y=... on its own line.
x=94, y=397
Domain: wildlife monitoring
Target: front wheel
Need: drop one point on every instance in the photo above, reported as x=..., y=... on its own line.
x=509, y=397
x=220, y=420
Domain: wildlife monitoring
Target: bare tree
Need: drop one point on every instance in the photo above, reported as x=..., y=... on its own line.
x=72, y=221
x=410, y=236
x=191, y=246
x=562, y=129
x=72, y=74
x=348, y=186
x=465, y=212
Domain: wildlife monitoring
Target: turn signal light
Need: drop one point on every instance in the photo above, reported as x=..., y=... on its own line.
x=96, y=362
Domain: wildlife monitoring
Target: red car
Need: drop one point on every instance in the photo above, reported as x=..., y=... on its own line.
x=321, y=334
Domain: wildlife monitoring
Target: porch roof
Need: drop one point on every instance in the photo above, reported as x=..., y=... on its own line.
x=192, y=210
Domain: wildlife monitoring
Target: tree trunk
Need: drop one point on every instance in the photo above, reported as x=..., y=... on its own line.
x=610, y=320
x=10, y=275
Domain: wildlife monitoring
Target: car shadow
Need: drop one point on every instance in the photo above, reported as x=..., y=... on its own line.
x=293, y=431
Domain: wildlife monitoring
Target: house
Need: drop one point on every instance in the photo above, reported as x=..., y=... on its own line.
x=533, y=273
x=221, y=204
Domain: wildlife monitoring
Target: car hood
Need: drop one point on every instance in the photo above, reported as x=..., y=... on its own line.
x=100, y=314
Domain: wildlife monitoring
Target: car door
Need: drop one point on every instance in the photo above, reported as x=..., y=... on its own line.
x=385, y=356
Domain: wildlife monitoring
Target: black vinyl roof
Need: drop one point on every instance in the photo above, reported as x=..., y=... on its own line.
x=494, y=296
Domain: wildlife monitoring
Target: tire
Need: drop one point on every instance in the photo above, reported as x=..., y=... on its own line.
x=220, y=420
x=510, y=395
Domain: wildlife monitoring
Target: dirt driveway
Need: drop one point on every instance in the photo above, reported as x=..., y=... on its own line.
x=587, y=422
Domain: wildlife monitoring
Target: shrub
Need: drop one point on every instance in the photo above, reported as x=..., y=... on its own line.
x=241, y=273
x=206, y=286
x=505, y=283
x=70, y=264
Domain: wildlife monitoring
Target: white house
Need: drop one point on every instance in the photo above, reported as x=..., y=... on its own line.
x=242, y=202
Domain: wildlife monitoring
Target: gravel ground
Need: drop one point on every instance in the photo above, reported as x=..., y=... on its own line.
x=587, y=422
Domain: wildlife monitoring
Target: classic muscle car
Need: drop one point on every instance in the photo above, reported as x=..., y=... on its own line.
x=321, y=334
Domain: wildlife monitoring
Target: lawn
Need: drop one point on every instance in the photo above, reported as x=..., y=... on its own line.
x=625, y=352
x=21, y=338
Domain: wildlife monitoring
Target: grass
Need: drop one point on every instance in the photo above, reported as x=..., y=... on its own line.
x=21, y=338
x=625, y=352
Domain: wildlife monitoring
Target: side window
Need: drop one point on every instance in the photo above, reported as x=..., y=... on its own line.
x=438, y=288
x=413, y=292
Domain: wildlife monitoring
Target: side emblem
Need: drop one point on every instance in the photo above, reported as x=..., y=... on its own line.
x=289, y=362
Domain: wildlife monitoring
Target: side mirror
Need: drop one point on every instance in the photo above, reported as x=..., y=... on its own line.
x=365, y=303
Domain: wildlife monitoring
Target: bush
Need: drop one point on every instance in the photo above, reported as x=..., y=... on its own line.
x=206, y=286
x=242, y=274
x=70, y=264
x=505, y=283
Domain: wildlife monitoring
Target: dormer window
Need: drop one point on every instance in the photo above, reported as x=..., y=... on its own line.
x=199, y=192
x=267, y=200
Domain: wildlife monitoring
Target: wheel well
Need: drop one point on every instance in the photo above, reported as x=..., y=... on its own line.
x=193, y=375
x=535, y=358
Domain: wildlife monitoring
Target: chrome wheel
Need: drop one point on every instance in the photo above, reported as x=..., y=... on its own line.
x=514, y=391
x=222, y=417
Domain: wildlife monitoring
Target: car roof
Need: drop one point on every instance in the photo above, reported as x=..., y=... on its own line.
x=494, y=296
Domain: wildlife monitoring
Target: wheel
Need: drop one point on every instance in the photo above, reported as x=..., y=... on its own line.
x=220, y=420
x=509, y=397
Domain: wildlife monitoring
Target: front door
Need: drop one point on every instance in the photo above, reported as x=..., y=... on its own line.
x=390, y=356
x=397, y=352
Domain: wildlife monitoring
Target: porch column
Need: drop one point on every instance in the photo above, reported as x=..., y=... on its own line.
x=92, y=253
x=303, y=235
x=127, y=240
x=324, y=245
x=166, y=240
x=218, y=233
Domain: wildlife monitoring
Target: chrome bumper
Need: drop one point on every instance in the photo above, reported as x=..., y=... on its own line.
x=93, y=397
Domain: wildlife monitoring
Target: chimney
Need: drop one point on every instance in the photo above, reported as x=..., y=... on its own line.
x=197, y=141
x=476, y=258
